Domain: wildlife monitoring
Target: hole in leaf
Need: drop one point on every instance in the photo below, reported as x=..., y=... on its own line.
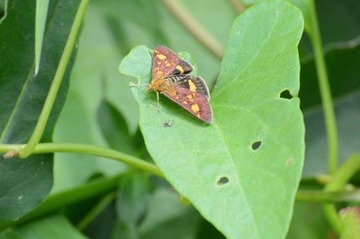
x=256, y=145
x=286, y=95
x=222, y=181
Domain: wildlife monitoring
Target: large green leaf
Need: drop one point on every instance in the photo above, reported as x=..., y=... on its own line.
x=242, y=171
x=25, y=182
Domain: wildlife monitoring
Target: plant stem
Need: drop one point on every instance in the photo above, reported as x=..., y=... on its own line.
x=99, y=151
x=330, y=120
x=237, y=5
x=319, y=196
x=101, y=205
x=90, y=149
x=338, y=182
x=49, y=102
x=344, y=174
x=197, y=30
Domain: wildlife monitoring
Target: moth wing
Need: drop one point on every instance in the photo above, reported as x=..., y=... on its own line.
x=194, y=102
x=168, y=63
x=196, y=84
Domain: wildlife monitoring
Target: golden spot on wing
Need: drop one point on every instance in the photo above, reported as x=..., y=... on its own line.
x=180, y=69
x=190, y=97
x=195, y=108
x=161, y=56
x=185, y=102
x=192, y=86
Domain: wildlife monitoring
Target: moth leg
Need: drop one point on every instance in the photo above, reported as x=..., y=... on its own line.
x=157, y=101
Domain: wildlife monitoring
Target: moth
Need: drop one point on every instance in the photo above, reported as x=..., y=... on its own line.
x=171, y=76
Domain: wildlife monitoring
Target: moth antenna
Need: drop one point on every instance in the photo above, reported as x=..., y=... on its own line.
x=137, y=85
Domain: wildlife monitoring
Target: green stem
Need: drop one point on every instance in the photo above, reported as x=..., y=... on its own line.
x=320, y=196
x=237, y=5
x=193, y=26
x=100, y=207
x=49, y=102
x=344, y=174
x=338, y=182
x=330, y=120
x=325, y=92
x=89, y=149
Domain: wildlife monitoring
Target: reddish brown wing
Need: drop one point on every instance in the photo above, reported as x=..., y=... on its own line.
x=171, y=76
x=168, y=63
x=196, y=84
x=191, y=93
